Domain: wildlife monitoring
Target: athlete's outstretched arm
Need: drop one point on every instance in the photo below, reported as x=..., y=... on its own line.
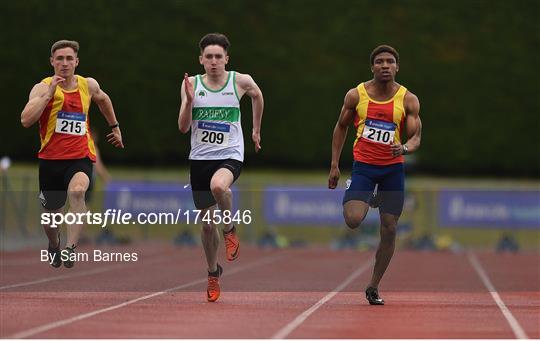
x=346, y=117
x=105, y=105
x=251, y=88
x=39, y=96
x=187, y=93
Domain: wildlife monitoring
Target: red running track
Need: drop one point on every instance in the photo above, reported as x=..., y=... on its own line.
x=298, y=293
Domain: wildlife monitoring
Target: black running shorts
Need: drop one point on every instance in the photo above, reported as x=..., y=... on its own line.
x=201, y=172
x=54, y=178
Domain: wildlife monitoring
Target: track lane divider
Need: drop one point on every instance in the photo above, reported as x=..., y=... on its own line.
x=43, y=328
x=291, y=326
x=514, y=324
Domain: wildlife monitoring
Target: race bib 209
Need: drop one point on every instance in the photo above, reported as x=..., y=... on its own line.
x=213, y=133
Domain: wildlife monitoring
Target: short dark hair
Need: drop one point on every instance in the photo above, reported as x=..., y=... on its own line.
x=65, y=43
x=383, y=48
x=215, y=39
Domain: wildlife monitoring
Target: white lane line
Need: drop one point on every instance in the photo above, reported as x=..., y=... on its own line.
x=49, y=326
x=514, y=324
x=291, y=326
x=76, y=274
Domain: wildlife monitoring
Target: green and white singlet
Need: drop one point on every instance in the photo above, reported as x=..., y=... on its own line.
x=216, y=132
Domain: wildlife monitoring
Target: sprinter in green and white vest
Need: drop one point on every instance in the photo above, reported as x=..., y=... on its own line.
x=211, y=109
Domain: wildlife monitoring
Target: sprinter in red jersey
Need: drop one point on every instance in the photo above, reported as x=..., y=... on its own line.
x=61, y=105
x=381, y=110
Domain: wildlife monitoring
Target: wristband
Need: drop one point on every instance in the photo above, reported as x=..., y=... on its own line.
x=114, y=126
x=405, y=149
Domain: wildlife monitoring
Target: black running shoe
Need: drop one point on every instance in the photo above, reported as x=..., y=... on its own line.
x=67, y=252
x=55, y=257
x=372, y=295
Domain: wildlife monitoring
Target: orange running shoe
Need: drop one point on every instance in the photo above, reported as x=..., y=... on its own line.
x=213, y=290
x=232, y=244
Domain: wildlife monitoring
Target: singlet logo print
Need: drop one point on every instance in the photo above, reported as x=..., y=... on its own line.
x=201, y=93
x=230, y=114
x=227, y=93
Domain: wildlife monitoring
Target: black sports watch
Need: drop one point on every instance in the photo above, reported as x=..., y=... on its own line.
x=405, y=149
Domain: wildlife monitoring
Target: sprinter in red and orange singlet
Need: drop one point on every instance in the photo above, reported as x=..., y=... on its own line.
x=381, y=110
x=61, y=105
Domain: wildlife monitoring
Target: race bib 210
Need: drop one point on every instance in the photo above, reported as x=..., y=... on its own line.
x=379, y=131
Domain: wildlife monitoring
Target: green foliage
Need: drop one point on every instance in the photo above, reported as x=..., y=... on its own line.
x=471, y=63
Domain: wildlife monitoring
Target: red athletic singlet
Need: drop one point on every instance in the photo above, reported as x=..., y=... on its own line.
x=64, y=124
x=377, y=125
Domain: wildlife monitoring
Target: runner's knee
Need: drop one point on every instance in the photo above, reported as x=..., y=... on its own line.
x=388, y=232
x=76, y=193
x=353, y=219
x=219, y=188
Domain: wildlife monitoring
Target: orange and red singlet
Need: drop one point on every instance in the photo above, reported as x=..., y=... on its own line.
x=64, y=125
x=377, y=125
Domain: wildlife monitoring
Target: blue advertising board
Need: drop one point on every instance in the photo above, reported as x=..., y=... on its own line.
x=307, y=206
x=151, y=197
x=491, y=209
